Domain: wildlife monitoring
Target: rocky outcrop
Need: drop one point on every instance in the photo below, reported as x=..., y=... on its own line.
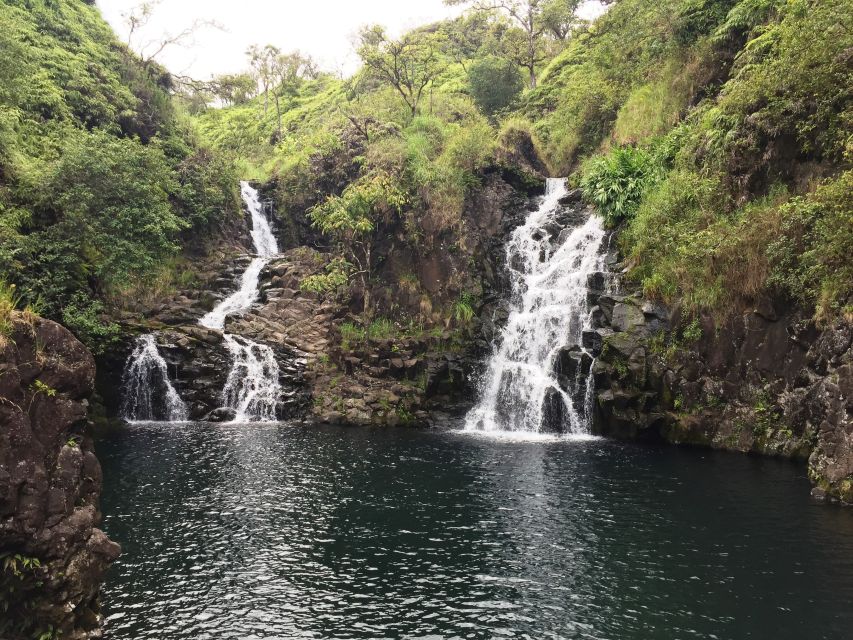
x=52, y=555
x=766, y=381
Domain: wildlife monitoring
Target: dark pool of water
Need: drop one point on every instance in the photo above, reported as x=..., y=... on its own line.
x=277, y=531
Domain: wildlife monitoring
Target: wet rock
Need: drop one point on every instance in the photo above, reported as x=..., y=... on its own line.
x=572, y=362
x=627, y=316
x=553, y=412
x=593, y=340
x=572, y=197
x=220, y=414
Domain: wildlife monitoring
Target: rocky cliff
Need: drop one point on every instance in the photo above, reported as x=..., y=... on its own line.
x=766, y=381
x=52, y=555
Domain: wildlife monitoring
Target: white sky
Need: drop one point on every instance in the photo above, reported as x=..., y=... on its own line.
x=322, y=28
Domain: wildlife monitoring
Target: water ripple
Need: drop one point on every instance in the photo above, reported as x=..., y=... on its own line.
x=278, y=531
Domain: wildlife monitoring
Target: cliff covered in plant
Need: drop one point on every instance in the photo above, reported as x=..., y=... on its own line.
x=104, y=187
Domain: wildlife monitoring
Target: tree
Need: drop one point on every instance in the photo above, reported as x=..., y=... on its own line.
x=279, y=73
x=535, y=21
x=115, y=222
x=140, y=15
x=237, y=88
x=350, y=220
x=494, y=83
x=465, y=37
x=409, y=64
x=261, y=61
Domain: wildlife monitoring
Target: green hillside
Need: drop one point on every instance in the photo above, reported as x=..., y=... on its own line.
x=102, y=180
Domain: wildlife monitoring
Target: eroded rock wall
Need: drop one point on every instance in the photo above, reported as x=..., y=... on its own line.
x=767, y=381
x=53, y=556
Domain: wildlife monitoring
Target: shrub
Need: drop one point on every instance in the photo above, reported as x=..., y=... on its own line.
x=615, y=183
x=83, y=316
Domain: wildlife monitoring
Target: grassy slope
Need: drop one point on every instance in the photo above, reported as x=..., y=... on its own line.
x=744, y=110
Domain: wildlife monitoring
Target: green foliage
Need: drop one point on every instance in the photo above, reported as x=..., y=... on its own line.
x=352, y=334
x=615, y=183
x=113, y=195
x=207, y=191
x=85, y=317
x=381, y=329
x=334, y=279
x=20, y=574
x=811, y=259
x=494, y=84
x=463, y=309
x=696, y=18
x=99, y=172
x=711, y=221
x=692, y=332
x=40, y=387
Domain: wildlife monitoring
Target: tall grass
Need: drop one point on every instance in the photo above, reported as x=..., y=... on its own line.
x=9, y=301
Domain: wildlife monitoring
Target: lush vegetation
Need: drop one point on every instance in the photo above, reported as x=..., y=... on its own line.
x=716, y=133
x=744, y=190
x=102, y=180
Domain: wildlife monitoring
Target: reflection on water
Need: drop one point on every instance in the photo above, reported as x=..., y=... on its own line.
x=278, y=531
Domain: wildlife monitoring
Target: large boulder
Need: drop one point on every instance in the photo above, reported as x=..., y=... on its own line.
x=55, y=557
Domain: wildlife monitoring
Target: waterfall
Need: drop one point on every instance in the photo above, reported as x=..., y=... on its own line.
x=548, y=280
x=252, y=388
x=148, y=393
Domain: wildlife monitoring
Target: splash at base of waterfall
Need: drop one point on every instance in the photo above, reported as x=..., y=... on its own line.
x=149, y=394
x=252, y=388
x=521, y=391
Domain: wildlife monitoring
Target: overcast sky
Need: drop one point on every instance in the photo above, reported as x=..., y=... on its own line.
x=322, y=28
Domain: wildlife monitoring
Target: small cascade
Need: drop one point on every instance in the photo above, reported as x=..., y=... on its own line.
x=548, y=282
x=148, y=393
x=238, y=301
x=252, y=388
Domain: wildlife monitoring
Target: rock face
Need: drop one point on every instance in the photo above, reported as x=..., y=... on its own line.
x=766, y=381
x=53, y=555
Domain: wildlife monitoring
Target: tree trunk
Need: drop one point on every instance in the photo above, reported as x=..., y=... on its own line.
x=278, y=113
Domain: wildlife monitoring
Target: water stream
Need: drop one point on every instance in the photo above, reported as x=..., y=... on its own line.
x=252, y=388
x=149, y=394
x=549, y=312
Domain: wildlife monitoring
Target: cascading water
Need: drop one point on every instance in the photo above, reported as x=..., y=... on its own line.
x=252, y=388
x=148, y=393
x=549, y=312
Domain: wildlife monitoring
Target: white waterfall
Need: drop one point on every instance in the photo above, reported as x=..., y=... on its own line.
x=549, y=312
x=238, y=301
x=252, y=388
x=148, y=393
